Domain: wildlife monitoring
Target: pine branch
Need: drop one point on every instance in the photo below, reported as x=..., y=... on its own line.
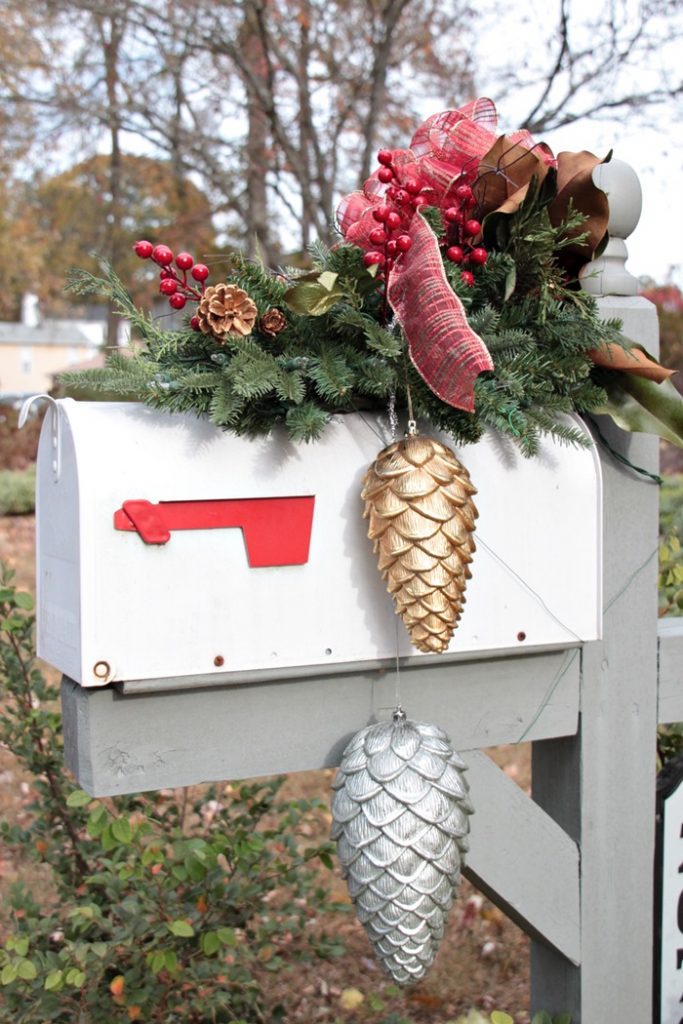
x=122, y=375
x=306, y=422
x=81, y=282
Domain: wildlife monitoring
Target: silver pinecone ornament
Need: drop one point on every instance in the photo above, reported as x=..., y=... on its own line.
x=400, y=819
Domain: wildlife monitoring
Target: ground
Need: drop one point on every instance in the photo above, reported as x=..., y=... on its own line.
x=483, y=961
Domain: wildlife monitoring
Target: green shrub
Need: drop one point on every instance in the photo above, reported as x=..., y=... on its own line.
x=168, y=907
x=671, y=505
x=18, y=448
x=17, y=491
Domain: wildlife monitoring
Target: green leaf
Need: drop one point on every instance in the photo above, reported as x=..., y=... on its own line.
x=542, y=1017
x=8, y=974
x=53, y=981
x=171, y=960
x=314, y=294
x=641, y=405
x=122, y=830
x=326, y=860
x=498, y=1017
x=183, y=929
x=510, y=282
x=562, y=1018
x=75, y=977
x=97, y=822
x=210, y=943
x=27, y=970
x=157, y=962
x=21, y=946
x=227, y=936
x=107, y=839
x=78, y=798
x=23, y=600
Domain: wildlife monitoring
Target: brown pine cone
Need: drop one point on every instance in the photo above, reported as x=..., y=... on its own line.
x=418, y=498
x=273, y=322
x=226, y=310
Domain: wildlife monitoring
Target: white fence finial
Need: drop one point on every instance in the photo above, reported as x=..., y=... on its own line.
x=608, y=275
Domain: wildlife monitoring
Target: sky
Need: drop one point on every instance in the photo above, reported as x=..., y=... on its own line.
x=651, y=144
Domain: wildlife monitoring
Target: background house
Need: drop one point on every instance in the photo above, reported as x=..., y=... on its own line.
x=34, y=349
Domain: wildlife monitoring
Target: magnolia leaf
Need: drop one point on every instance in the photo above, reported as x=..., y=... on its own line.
x=634, y=359
x=505, y=173
x=576, y=189
x=641, y=405
x=510, y=282
x=314, y=294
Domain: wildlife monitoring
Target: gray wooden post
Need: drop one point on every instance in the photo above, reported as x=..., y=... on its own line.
x=600, y=784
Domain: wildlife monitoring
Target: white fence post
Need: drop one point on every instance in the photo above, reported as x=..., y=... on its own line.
x=600, y=784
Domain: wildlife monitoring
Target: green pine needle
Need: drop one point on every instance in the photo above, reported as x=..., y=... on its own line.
x=536, y=327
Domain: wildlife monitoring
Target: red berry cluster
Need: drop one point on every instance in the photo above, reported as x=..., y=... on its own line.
x=461, y=229
x=393, y=216
x=173, y=284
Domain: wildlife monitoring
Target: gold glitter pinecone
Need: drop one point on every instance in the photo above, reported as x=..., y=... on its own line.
x=225, y=309
x=418, y=498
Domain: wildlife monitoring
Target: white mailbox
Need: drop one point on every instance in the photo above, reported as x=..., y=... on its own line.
x=170, y=549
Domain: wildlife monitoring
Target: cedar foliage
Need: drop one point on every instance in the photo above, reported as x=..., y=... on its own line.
x=345, y=358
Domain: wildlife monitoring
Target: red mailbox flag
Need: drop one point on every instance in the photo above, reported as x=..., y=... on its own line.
x=276, y=531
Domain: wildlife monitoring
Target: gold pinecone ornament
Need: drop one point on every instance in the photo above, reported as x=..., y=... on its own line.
x=418, y=498
x=226, y=311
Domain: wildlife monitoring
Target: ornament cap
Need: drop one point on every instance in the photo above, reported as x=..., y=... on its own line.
x=399, y=714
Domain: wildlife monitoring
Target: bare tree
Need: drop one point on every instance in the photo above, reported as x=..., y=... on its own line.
x=318, y=83
x=624, y=59
x=275, y=107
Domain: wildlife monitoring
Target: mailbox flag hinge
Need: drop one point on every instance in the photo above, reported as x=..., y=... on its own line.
x=276, y=531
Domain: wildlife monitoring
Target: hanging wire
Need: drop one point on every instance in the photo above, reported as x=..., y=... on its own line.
x=530, y=590
x=569, y=660
x=653, y=477
x=571, y=656
x=397, y=681
x=630, y=580
x=393, y=416
x=411, y=415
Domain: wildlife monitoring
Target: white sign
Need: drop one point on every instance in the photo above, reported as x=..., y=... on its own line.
x=671, y=978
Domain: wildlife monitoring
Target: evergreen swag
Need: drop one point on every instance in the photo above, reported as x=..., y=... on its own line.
x=336, y=353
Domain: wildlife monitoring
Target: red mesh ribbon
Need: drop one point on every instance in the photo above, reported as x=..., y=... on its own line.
x=444, y=349
x=447, y=149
